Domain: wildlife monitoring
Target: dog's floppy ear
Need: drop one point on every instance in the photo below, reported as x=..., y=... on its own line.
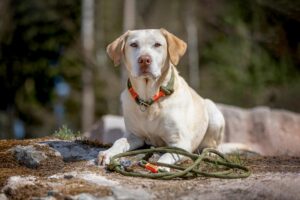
x=176, y=47
x=115, y=49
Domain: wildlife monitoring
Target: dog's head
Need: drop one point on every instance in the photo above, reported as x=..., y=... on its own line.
x=146, y=52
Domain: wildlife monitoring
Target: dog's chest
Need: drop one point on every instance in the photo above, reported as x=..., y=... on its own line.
x=158, y=125
x=151, y=125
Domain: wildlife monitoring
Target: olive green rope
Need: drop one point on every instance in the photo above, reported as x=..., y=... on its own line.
x=231, y=171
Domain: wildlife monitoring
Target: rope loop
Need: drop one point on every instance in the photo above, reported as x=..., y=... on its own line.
x=229, y=170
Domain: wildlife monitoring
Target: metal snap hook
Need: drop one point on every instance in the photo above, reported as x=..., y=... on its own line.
x=143, y=106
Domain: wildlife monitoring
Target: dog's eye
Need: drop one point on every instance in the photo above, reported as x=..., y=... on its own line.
x=157, y=44
x=135, y=45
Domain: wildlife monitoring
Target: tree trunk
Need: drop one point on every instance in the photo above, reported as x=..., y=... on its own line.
x=128, y=24
x=192, y=40
x=87, y=37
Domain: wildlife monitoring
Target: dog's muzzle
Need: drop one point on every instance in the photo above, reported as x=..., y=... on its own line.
x=144, y=62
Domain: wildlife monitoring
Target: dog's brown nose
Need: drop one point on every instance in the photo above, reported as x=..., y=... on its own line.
x=144, y=60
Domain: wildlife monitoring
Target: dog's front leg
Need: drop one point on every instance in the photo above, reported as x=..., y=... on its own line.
x=172, y=158
x=121, y=145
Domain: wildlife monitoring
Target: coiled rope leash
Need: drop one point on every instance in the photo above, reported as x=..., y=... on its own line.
x=231, y=171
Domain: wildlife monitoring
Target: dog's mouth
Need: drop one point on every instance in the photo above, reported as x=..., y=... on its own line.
x=149, y=72
x=147, y=75
x=144, y=75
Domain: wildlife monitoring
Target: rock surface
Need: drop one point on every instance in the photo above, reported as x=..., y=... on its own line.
x=29, y=156
x=15, y=182
x=270, y=186
x=127, y=193
x=78, y=178
x=72, y=151
x=107, y=130
x=266, y=131
x=33, y=156
x=53, y=169
x=3, y=197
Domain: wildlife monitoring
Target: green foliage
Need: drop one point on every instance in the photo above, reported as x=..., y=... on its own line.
x=249, y=54
x=65, y=133
x=237, y=158
x=36, y=36
x=241, y=63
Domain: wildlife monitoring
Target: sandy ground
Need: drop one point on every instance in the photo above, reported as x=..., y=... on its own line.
x=272, y=178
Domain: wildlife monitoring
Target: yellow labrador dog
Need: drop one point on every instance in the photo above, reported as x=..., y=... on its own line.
x=159, y=107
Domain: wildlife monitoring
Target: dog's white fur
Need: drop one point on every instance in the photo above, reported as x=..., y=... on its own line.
x=183, y=119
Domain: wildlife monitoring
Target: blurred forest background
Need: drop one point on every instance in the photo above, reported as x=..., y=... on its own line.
x=54, y=69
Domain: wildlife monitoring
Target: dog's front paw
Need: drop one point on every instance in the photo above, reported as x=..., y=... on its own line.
x=164, y=169
x=104, y=157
